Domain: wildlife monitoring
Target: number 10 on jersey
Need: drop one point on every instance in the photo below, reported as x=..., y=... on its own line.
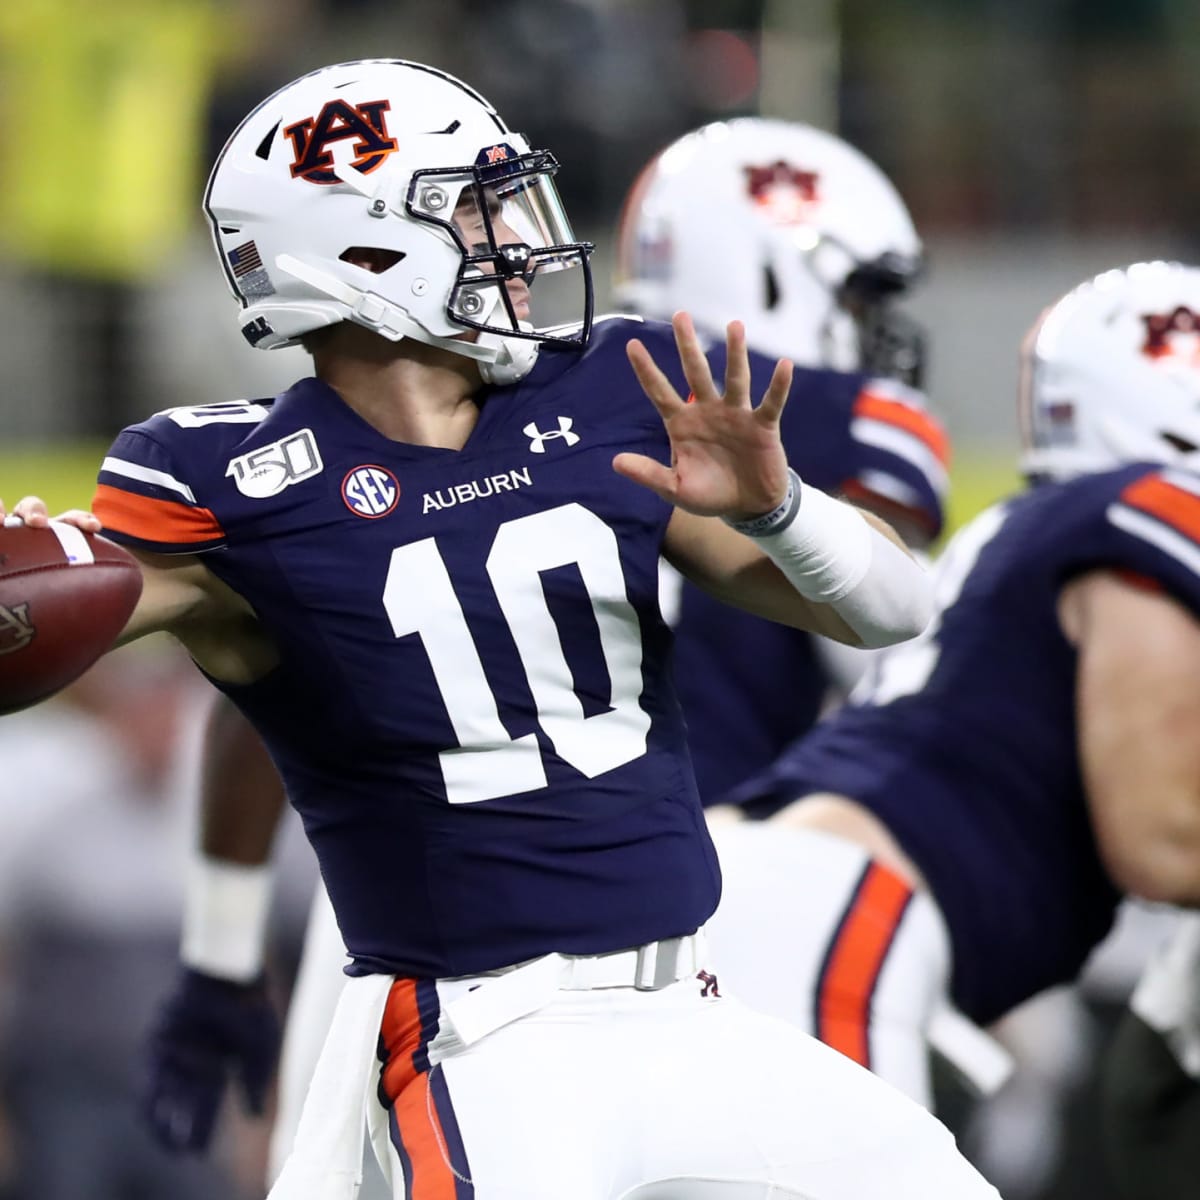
x=488, y=763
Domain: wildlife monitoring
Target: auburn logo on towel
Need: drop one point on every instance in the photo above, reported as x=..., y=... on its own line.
x=339, y=120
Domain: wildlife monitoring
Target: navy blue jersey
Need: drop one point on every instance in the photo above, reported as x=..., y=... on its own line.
x=473, y=712
x=963, y=742
x=748, y=686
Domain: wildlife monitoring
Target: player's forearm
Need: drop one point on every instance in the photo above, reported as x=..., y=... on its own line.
x=242, y=797
x=229, y=883
x=849, y=561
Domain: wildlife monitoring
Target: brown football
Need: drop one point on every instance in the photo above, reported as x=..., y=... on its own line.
x=64, y=597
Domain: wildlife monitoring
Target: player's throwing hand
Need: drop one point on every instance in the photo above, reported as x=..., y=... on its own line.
x=32, y=511
x=726, y=456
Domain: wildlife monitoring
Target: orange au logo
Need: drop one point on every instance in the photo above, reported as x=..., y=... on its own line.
x=1160, y=327
x=339, y=120
x=16, y=630
x=786, y=194
x=495, y=154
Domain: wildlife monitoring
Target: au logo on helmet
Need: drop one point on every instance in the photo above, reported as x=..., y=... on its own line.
x=1159, y=327
x=787, y=194
x=338, y=120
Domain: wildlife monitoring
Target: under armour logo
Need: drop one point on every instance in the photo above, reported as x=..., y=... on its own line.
x=537, y=439
x=709, y=982
x=516, y=258
x=16, y=630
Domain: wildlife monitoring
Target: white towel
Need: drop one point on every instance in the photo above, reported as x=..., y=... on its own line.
x=326, y=1160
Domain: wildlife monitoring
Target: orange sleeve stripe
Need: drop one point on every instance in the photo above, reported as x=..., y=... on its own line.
x=1174, y=506
x=855, y=959
x=163, y=521
x=912, y=420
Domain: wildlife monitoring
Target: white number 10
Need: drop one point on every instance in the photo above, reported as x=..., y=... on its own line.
x=419, y=597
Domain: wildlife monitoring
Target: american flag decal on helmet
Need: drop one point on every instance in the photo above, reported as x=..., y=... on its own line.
x=244, y=259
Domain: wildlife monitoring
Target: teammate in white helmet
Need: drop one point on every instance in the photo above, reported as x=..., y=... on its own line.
x=966, y=825
x=435, y=598
x=790, y=228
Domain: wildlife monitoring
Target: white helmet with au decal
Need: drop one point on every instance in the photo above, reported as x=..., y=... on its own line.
x=390, y=194
x=785, y=227
x=1110, y=373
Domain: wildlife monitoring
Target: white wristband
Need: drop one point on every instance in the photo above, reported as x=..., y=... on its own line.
x=225, y=911
x=832, y=555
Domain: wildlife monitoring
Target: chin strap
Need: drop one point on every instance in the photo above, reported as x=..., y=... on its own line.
x=374, y=312
x=500, y=359
x=515, y=358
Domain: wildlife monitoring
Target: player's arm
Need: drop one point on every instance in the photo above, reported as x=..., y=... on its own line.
x=173, y=590
x=1138, y=709
x=182, y=597
x=734, y=568
x=780, y=548
x=219, y=1023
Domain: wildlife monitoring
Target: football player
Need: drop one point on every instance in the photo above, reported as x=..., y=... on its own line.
x=818, y=246
x=428, y=576
x=968, y=822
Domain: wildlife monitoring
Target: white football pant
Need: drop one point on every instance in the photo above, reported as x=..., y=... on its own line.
x=813, y=930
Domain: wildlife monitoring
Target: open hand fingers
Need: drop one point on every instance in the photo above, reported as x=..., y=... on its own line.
x=654, y=383
x=775, y=397
x=737, y=366
x=651, y=474
x=691, y=357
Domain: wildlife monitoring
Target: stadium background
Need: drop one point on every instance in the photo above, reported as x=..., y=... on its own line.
x=1035, y=141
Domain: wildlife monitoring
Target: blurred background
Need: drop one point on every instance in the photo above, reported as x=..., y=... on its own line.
x=1036, y=142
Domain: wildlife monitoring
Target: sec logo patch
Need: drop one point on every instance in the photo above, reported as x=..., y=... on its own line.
x=370, y=491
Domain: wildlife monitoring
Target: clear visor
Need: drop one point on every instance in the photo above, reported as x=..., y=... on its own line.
x=517, y=245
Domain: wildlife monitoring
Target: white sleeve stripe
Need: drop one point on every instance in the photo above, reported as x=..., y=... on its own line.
x=75, y=546
x=893, y=389
x=1157, y=534
x=1182, y=480
x=885, y=436
x=118, y=466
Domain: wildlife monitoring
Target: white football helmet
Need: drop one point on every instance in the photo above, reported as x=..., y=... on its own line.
x=785, y=227
x=1111, y=373
x=405, y=169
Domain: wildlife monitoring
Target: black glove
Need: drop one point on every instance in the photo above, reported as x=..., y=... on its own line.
x=209, y=1031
